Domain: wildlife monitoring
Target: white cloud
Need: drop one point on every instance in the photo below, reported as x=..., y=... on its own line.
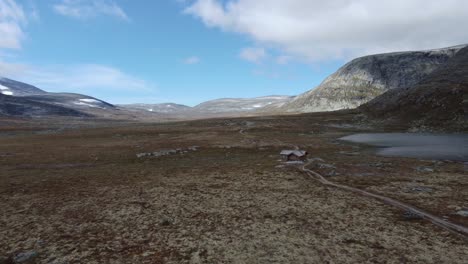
x=85, y=78
x=12, y=19
x=335, y=29
x=283, y=59
x=192, y=60
x=255, y=55
x=85, y=9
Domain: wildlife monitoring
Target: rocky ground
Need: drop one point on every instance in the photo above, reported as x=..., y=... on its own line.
x=83, y=196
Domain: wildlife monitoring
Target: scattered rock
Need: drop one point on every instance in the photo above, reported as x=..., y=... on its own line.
x=296, y=162
x=355, y=153
x=166, y=222
x=367, y=174
x=316, y=159
x=167, y=152
x=25, y=257
x=326, y=166
x=421, y=189
x=424, y=169
x=463, y=213
x=332, y=173
x=410, y=215
x=377, y=164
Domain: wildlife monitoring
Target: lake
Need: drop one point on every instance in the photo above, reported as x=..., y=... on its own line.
x=416, y=145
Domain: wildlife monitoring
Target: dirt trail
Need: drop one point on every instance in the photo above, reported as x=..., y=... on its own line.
x=454, y=228
x=458, y=229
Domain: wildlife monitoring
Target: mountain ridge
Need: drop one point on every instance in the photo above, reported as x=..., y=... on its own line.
x=365, y=78
x=437, y=101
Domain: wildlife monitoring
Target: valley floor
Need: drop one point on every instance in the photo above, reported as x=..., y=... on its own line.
x=82, y=195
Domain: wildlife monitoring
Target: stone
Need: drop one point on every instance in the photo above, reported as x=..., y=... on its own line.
x=326, y=166
x=316, y=159
x=410, y=215
x=424, y=169
x=166, y=222
x=463, y=213
x=25, y=257
x=347, y=153
x=421, y=189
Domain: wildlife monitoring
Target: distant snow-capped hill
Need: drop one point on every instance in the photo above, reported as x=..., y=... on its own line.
x=25, y=107
x=71, y=100
x=15, y=88
x=21, y=99
x=166, y=108
x=229, y=105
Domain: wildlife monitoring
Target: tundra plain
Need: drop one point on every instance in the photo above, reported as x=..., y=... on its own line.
x=81, y=194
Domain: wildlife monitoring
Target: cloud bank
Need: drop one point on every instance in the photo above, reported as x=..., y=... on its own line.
x=338, y=29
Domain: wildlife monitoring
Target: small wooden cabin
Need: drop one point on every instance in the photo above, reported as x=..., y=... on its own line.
x=294, y=155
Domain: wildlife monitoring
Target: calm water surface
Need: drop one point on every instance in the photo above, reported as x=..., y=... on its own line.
x=424, y=146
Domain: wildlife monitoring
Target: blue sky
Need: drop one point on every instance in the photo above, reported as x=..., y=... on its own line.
x=189, y=51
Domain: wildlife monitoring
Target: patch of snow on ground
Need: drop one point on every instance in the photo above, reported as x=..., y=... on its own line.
x=3, y=87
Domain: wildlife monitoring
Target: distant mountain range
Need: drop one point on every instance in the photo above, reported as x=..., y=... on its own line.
x=416, y=85
x=218, y=107
x=21, y=99
x=166, y=108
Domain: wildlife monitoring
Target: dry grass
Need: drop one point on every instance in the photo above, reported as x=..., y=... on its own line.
x=82, y=196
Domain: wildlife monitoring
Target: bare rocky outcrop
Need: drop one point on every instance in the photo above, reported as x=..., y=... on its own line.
x=438, y=101
x=365, y=78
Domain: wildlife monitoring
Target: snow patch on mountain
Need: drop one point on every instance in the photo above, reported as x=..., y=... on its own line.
x=89, y=102
x=5, y=90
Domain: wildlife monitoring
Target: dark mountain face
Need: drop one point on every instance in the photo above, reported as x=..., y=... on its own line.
x=21, y=99
x=437, y=100
x=363, y=79
x=15, y=88
x=71, y=100
x=24, y=107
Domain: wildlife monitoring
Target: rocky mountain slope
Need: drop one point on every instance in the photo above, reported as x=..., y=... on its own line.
x=365, y=78
x=24, y=107
x=439, y=100
x=21, y=99
x=15, y=88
